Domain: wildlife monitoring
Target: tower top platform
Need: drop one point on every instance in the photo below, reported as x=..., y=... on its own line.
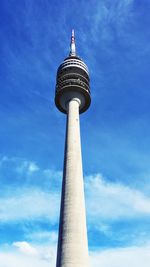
x=72, y=81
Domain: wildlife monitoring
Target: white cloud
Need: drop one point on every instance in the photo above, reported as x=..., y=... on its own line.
x=27, y=167
x=112, y=201
x=32, y=167
x=24, y=254
x=25, y=248
x=28, y=204
x=19, y=164
x=43, y=236
x=38, y=198
x=3, y=159
x=46, y=256
x=124, y=257
x=104, y=200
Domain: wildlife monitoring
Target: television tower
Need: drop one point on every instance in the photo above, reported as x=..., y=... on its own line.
x=72, y=98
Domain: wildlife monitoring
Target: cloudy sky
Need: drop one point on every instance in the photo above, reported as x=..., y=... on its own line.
x=113, y=38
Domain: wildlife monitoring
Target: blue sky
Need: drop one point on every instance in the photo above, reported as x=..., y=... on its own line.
x=113, y=39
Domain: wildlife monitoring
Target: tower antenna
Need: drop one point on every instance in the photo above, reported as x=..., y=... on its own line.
x=72, y=45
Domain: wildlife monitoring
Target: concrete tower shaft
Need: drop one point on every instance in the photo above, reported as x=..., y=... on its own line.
x=72, y=245
x=72, y=97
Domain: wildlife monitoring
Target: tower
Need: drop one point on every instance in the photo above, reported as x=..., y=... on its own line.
x=72, y=98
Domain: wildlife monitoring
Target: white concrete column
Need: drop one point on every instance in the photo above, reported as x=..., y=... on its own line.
x=72, y=245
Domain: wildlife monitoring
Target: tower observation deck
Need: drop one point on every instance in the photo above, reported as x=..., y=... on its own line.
x=72, y=81
x=72, y=98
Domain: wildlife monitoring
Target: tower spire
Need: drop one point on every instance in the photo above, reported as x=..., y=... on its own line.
x=72, y=45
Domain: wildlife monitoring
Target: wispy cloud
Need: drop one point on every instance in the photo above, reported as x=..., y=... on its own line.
x=129, y=256
x=36, y=192
x=105, y=200
x=25, y=248
x=26, y=254
x=23, y=172
x=113, y=201
x=27, y=166
x=29, y=204
x=42, y=236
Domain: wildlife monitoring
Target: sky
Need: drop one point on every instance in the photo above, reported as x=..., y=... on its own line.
x=113, y=39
